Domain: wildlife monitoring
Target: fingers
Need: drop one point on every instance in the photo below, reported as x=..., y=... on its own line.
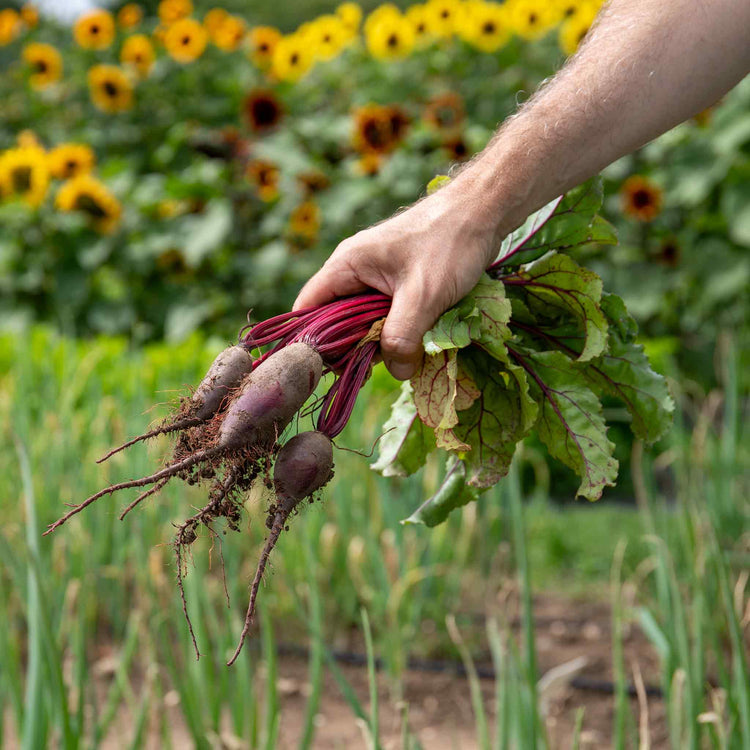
x=407, y=322
x=326, y=285
x=337, y=278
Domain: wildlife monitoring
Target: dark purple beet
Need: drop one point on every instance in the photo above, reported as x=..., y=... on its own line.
x=303, y=466
x=270, y=397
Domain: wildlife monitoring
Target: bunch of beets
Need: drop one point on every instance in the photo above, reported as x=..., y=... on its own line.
x=228, y=430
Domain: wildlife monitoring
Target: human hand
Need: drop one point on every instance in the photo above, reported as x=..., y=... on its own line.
x=426, y=258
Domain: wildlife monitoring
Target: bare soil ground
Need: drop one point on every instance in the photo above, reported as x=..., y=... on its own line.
x=439, y=705
x=440, y=712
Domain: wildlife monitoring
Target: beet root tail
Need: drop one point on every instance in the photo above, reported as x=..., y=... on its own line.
x=279, y=522
x=166, y=473
x=181, y=424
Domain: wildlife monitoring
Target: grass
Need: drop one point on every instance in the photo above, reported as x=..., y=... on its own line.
x=100, y=595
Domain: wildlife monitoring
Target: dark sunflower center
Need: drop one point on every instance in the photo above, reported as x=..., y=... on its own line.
x=532, y=18
x=445, y=13
x=94, y=29
x=110, y=89
x=294, y=59
x=642, y=198
x=88, y=204
x=421, y=28
x=327, y=38
x=392, y=41
x=71, y=167
x=264, y=112
x=21, y=179
x=489, y=28
x=373, y=134
x=266, y=177
x=262, y=47
x=40, y=66
x=459, y=149
x=185, y=40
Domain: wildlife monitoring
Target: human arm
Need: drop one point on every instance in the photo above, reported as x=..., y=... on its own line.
x=644, y=67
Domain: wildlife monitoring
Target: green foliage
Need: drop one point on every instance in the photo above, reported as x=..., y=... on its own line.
x=532, y=349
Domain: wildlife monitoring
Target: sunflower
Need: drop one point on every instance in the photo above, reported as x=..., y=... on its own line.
x=230, y=33
x=385, y=12
x=29, y=15
x=378, y=129
x=173, y=10
x=262, y=110
x=485, y=27
x=138, y=53
x=368, y=165
x=45, y=63
x=390, y=37
x=641, y=198
x=27, y=138
x=530, y=19
x=10, y=26
x=313, y=181
x=129, y=16
x=443, y=15
x=24, y=174
x=90, y=196
x=213, y=19
x=292, y=58
x=575, y=28
x=328, y=36
x=457, y=148
x=185, y=40
x=669, y=252
x=263, y=41
x=304, y=222
x=445, y=112
x=70, y=160
x=110, y=89
x=421, y=22
x=94, y=30
x=264, y=176
x=350, y=15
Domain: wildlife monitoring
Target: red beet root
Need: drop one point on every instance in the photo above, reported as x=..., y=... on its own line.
x=303, y=466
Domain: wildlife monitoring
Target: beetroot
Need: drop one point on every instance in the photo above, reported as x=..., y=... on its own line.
x=271, y=396
x=228, y=429
x=224, y=375
x=303, y=466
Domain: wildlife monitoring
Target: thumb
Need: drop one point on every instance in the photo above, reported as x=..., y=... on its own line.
x=407, y=322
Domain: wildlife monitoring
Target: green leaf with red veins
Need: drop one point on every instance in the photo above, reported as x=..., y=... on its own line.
x=489, y=309
x=452, y=331
x=406, y=442
x=625, y=373
x=440, y=387
x=496, y=421
x=452, y=493
x=557, y=283
x=572, y=223
x=570, y=423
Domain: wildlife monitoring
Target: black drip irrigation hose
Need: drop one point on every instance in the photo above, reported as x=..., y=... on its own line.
x=456, y=668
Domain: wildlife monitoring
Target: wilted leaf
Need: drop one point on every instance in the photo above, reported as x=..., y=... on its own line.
x=406, y=442
x=496, y=421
